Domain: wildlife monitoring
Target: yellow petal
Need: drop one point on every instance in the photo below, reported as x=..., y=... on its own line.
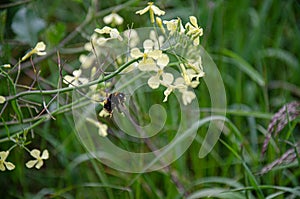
x=39, y=164
x=196, y=41
x=9, y=165
x=31, y=163
x=35, y=153
x=3, y=155
x=40, y=46
x=2, y=99
x=143, y=11
x=193, y=21
x=45, y=154
x=157, y=11
x=2, y=167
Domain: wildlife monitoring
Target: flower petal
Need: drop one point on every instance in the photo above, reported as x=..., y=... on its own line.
x=45, y=154
x=194, y=21
x=2, y=167
x=102, y=129
x=2, y=99
x=157, y=11
x=148, y=44
x=167, y=92
x=163, y=60
x=3, y=155
x=39, y=164
x=40, y=46
x=187, y=97
x=68, y=79
x=35, y=153
x=136, y=53
x=104, y=30
x=167, y=78
x=147, y=65
x=153, y=82
x=108, y=19
x=77, y=73
x=155, y=54
x=31, y=163
x=143, y=11
x=9, y=165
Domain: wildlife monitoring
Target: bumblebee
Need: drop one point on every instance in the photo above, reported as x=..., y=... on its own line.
x=114, y=100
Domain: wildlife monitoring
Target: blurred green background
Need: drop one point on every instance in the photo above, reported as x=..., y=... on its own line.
x=256, y=46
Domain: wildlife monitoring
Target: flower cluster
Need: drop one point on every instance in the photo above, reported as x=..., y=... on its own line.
x=154, y=54
x=38, y=162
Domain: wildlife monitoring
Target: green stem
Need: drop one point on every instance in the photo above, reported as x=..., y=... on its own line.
x=63, y=90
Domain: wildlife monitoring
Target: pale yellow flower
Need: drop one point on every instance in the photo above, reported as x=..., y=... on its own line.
x=75, y=80
x=149, y=56
x=38, y=162
x=3, y=163
x=132, y=37
x=38, y=49
x=187, y=96
x=179, y=84
x=174, y=25
x=113, y=19
x=153, y=10
x=160, y=77
x=2, y=99
x=194, y=30
x=113, y=33
x=102, y=128
x=191, y=75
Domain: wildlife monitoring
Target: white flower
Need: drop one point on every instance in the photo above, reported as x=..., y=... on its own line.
x=39, y=159
x=113, y=33
x=153, y=10
x=194, y=30
x=38, y=49
x=174, y=25
x=75, y=80
x=3, y=163
x=113, y=18
x=102, y=128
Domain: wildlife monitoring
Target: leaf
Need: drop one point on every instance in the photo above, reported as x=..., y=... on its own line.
x=55, y=33
x=244, y=66
x=26, y=25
